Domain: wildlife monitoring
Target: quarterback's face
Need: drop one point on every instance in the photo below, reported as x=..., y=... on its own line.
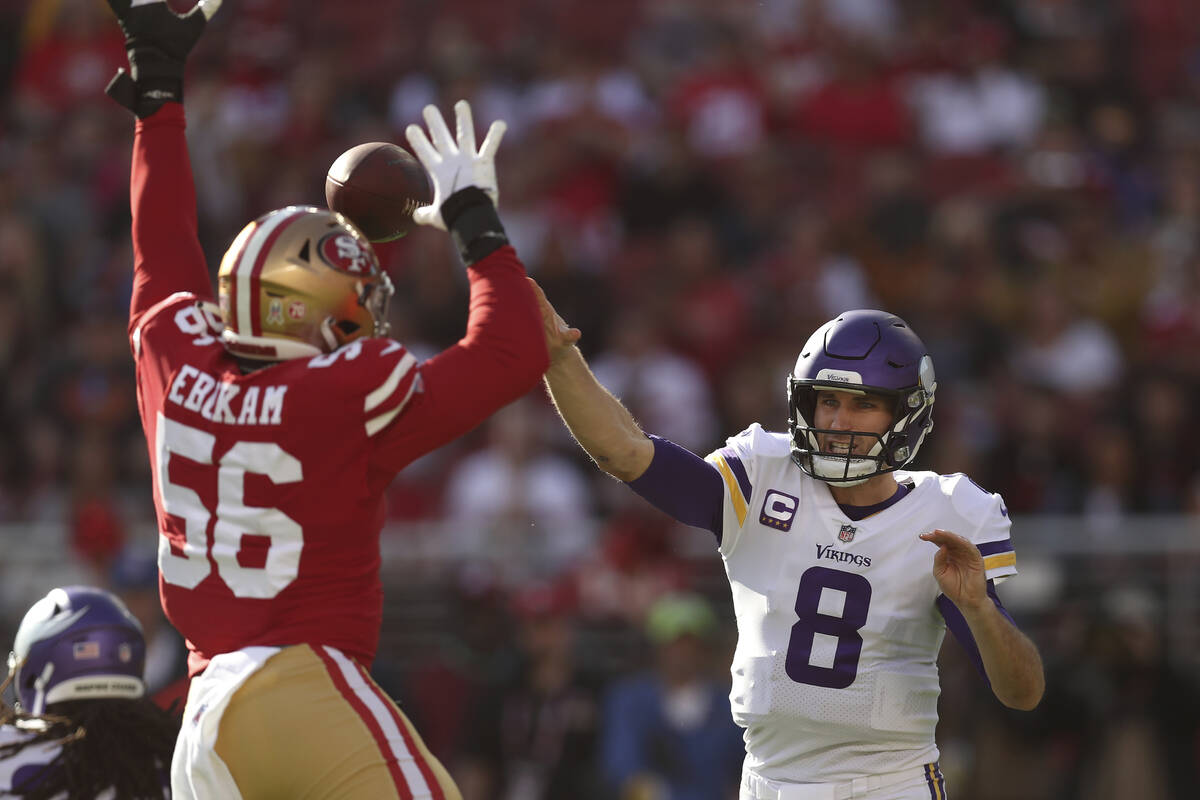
x=850, y=411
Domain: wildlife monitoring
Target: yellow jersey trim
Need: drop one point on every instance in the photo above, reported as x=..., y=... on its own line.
x=735, y=491
x=1000, y=560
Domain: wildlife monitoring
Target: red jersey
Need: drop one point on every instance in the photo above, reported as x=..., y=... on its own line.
x=269, y=485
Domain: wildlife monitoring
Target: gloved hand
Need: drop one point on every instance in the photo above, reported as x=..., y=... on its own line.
x=454, y=165
x=157, y=41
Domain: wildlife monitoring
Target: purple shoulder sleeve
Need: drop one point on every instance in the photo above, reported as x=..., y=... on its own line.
x=958, y=626
x=682, y=485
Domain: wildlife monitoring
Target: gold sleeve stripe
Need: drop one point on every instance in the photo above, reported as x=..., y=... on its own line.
x=1008, y=559
x=735, y=491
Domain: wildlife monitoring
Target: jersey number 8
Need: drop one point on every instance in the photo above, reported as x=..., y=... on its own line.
x=844, y=627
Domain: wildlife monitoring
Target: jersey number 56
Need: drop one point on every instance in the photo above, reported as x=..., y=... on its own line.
x=188, y=565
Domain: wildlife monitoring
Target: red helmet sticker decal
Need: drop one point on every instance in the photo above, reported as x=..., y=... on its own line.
x=346, y=254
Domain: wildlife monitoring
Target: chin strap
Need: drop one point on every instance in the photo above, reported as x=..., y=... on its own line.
x=39, y=686
x=328, y=335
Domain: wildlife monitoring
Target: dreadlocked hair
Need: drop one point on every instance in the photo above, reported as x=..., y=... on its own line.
x=120, y=744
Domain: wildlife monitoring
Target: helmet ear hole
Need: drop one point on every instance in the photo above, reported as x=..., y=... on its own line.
x=347, y=327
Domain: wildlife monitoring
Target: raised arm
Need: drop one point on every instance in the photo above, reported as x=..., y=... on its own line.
x=502, y=356
x=167, y=253
x=167, y=257
x=603, y=427
x=673, y=479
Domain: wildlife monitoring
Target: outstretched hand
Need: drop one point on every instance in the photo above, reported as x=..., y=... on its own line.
x=157, y=42
x=958, y=569
x=150, y=17
x=453, y=162
x=560, y=337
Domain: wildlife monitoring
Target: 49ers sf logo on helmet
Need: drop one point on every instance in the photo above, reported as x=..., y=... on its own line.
x=346, y=254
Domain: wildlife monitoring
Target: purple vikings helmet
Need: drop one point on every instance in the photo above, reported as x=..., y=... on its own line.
x=76, y=643
x=865, y=351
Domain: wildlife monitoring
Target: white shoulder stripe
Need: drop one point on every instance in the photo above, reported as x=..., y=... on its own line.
x=376, y=424
x=377, y=397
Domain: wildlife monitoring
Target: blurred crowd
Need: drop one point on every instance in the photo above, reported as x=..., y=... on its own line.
x=696, y=184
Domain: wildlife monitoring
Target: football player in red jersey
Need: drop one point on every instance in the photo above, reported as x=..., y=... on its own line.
x=275, y=423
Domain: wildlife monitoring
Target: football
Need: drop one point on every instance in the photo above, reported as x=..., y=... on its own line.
x=378, y=185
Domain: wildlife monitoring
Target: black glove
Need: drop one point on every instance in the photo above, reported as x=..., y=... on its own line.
x=157, y=41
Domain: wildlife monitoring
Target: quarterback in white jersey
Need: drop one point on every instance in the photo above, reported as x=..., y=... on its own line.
x=838, y=623
x=846, y=569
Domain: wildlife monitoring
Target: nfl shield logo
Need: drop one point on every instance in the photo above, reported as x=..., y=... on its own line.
x=846, y=534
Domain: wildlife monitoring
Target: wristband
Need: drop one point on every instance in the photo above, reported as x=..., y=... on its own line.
x=470, y=216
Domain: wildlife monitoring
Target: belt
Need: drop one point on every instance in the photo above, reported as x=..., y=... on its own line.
x=756, y=787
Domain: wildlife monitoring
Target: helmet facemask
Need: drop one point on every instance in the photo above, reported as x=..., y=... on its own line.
x=850, y=465
x=374, y=297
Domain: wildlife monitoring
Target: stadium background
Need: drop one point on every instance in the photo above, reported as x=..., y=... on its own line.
x=696, y=184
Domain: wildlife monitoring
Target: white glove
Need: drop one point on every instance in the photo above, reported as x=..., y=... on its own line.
x=454, y=165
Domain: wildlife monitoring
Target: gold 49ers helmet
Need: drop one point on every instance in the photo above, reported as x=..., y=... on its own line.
x=299, y=282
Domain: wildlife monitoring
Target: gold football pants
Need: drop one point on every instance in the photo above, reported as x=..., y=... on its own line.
x=311, y=724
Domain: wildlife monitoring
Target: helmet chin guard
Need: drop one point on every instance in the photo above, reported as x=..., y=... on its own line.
x=865, y=352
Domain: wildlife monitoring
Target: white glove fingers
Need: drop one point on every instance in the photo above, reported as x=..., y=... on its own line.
x=428, y=215
x=492, y=141
x=422, y=148
x=465, y=124
x=209, y=7
x=438, y=132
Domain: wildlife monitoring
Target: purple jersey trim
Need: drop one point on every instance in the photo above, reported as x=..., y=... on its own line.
x=856, y=513
x=992, y=548
x=739, y=470
x=29, y=777
x=682, y=485
x=937, y=784
x=958, y=626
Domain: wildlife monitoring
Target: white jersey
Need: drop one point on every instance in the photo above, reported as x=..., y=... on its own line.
x=835, y=672
x=18, y=769
x=22, y=768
